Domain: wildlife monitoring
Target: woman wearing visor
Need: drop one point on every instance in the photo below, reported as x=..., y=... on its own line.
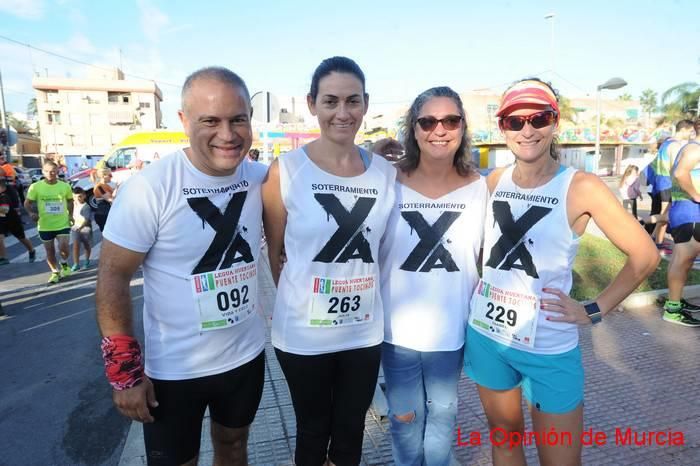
x=522, y=333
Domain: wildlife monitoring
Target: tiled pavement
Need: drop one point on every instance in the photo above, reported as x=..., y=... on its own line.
x=641, y=373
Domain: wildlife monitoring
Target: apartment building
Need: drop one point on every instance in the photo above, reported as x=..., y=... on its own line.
x=80, y=117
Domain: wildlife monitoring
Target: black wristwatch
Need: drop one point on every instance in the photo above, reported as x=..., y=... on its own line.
x=593, y=312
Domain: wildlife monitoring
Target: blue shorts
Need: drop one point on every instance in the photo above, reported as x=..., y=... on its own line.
x=551, y=383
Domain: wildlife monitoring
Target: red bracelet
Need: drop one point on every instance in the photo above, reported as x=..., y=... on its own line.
x=122, y=358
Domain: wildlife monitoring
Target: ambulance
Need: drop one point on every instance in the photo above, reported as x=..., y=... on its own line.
x=142, y=147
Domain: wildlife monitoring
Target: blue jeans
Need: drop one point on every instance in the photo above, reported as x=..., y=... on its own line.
x=423, y=384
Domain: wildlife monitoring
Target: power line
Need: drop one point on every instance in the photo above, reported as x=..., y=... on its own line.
x=75, y=60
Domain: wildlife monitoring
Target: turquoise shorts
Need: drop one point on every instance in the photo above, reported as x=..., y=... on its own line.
x=551, y=383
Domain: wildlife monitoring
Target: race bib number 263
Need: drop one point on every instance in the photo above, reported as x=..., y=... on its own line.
x=341, y=301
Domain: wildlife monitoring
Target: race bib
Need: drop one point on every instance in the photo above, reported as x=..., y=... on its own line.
x=225, y=298
x=507, y=315
x=337, y=302
x=54, y=207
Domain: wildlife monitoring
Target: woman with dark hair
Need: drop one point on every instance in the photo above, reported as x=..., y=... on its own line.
x=327, y=205
x=522, y=335
x=429, y=261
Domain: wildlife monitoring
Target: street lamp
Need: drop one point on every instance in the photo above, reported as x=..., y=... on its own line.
x=550, y=18
x=612, y=83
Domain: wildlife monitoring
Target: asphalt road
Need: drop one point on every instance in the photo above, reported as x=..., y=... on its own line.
x=55, y=403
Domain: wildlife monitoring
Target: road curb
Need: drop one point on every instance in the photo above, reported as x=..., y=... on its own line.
x=647, y=298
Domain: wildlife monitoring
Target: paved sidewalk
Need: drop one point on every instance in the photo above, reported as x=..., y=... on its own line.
x=641, y=373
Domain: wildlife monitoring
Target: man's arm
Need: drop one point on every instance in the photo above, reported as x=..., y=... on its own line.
x=70, y=211
x=30, y=207
x=115, y=317
x=682, y=172
x=117, y=267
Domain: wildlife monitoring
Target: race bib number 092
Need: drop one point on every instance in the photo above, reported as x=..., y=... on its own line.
x=225, y=298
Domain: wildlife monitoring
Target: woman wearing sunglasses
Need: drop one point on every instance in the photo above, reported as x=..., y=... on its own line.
x=522, y=334
x=328, y=204
x=428, y=261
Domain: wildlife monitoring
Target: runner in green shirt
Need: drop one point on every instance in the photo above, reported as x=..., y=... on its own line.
x=50, y=203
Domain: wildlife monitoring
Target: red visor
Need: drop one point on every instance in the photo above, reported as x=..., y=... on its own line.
x=528, y=92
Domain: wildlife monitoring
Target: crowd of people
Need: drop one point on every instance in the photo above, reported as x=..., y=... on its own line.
x=404, y=256
x=674, y=180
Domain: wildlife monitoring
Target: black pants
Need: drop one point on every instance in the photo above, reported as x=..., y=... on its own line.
x=233, y=398
x=101, y=214
x=331, y=394
x=630, y=204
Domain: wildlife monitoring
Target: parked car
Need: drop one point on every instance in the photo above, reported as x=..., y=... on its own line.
x=35, y=173
x=23, y=177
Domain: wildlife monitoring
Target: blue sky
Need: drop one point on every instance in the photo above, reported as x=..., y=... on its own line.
x=403, y=47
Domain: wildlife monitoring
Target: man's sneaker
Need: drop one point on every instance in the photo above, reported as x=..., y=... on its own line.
x=690, y=307
x=86, y=264
x=54, y=278
x=4, y=261
x=65, y=270
x=32, y=255
x=681, y=318
x=75, y=267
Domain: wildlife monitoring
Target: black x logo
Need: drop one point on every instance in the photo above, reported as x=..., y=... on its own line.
x=224, y=246
x=347, y=242
x=510, y=248
x=430, y=243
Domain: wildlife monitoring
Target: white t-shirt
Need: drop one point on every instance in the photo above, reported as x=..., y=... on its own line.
x=328, y=297
x=201, y=235
x=429, y=258
x=528, y=246
x=81, y=213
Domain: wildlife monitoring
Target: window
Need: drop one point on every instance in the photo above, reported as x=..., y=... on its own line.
x=118, y=97
x=122, y=157
x=53, y=118
x=52, y=97
x=145, y=105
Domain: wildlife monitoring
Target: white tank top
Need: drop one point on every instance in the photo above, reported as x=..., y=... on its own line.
x=328, y=297
x=429, y=259
x=529, y=245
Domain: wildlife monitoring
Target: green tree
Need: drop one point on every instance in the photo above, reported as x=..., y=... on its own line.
x=566, y=111
x=648, y=102
x=625, y=97
x=681, y=101
x=32, y=110
x=18, y=125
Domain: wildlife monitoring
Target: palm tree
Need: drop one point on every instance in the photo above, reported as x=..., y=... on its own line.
x=648, y=102
x=566, y=111
x=32, y=110
x=681, y=101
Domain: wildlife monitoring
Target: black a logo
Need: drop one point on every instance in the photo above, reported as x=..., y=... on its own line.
x=347, y=242
x=430, y=252
x=510, y=251
x=228, y=246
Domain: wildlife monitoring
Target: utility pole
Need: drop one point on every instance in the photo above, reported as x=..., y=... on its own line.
x=5, y=150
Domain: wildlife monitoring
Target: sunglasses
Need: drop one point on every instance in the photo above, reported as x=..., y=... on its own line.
x=537, y=120
x=450, y=122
